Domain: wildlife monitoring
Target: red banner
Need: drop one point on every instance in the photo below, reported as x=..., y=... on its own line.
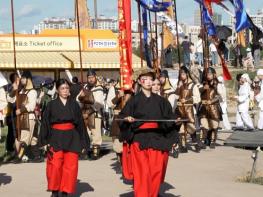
x=125, y=44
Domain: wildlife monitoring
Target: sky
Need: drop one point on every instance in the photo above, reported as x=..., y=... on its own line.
x=30, y=12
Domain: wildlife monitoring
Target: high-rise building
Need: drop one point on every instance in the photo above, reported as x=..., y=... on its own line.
x=106, y=23
x=54, y=23
x=217, y=18
x=197, y=18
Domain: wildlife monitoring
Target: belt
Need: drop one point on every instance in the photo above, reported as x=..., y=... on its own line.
x=149, y=125
x=63, y=126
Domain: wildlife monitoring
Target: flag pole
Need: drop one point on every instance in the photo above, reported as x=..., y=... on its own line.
x=177, y=34
x=156, y=37
x=79, y=39
x=17, y=125
x=204, y=42
x=13, y=33
x=140, y=31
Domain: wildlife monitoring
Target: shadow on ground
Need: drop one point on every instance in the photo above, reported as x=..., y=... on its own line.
x=165, y=187
x=5, y=179
x=82, y=188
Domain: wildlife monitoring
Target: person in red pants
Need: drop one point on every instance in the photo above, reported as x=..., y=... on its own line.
x=148, y=141
x=65, y=136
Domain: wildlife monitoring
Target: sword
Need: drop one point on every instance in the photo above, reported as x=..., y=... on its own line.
x=154, y=120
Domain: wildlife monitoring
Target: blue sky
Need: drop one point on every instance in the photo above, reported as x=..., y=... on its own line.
x=30, y=12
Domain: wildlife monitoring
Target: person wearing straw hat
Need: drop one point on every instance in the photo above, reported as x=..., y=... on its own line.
x=149, y=141
x=243, y=119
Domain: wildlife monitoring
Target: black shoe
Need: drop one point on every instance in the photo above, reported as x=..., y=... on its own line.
x=183, y=149
x=54, y=194
x=207, y=142
x=64, y=194
x=197, y=148
x=175, y=152
x=38, y=159
x=212, y=145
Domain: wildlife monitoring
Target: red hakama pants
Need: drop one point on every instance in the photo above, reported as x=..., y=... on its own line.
x=148, y=170
x=62, y=171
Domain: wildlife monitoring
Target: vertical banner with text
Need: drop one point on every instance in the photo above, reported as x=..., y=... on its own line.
x=124, y=8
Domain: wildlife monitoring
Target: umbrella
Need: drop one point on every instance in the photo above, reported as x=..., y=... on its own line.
x=223, y=32
x=41, y=80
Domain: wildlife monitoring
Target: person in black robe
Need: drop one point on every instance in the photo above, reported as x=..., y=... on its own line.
x=65, y=136
x=148, y=142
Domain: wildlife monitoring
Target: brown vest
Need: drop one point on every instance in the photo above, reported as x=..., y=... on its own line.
x=186, y=110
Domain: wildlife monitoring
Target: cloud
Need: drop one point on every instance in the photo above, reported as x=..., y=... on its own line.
x=28, y=11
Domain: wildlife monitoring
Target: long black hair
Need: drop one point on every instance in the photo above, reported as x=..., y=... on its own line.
x=61, y=82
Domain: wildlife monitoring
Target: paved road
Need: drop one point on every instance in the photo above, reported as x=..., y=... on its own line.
x=212, y=173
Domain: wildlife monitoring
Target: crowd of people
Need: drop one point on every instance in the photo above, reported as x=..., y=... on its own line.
x=238, y=56
x=65, y=121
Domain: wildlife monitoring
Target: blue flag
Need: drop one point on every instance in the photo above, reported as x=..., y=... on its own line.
x=207, y=19
x=208, y=22
x=145, y=38
x=155, y=5
x=242, y=21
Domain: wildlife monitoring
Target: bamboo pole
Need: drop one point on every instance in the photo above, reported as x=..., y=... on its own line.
x=177, y=34
x=79, y=39
x=140, y=31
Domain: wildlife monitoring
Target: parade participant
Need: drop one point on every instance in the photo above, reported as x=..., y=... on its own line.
x=92, y=99
x=243, y=119
x=75, y=88
x=149, y=142
x=10, y=120
x=26, y=103
x=167, y=90
x=259, y=99
x=199, y=51
x=116, y=103
x=156, y=87
x=188, y=98
x=3, y=101
x=209, y=111
x=64, y=135
x=223, y=103
x=254, y=104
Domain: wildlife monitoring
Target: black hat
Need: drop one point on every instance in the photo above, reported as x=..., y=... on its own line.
x=91, y=72
x=164, y=73
x=211, y=70
x=27, y=74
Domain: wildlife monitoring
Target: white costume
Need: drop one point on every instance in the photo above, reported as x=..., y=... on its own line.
x=223, y=103
x=259, y=99
x=242, y=117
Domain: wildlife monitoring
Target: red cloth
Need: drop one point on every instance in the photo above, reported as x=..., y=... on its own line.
x=148, y=169
x=62, y=171
x=126, y=162
x=63, y=126
x=125, y=44
x=149, y=125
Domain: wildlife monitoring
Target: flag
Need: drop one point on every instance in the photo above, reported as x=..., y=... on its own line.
x=155, y=5
x=208, y=5
x=145, y=38
x=256, y=32
x=223, y=32
x=242, y=21
x=125, y=46
x=208, y=22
